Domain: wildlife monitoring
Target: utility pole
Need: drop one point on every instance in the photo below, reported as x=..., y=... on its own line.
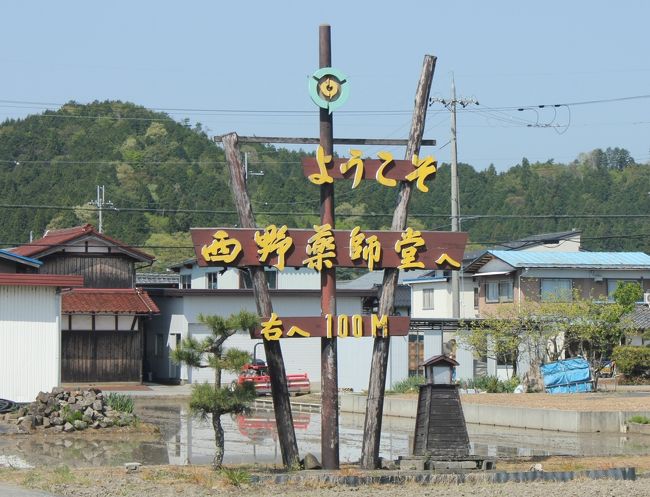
x=455, y=197
x=248, y=173
x=101, y=204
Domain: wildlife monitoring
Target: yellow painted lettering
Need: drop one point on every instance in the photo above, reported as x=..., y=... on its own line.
x=328, y=325
x=357, y=326
x=377, y=323
x=342, y=326
x=387, y=157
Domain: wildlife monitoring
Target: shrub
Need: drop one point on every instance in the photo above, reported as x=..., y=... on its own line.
x=642, y=420
x=632, y=361
x=492, y=384
x=410, y=384
x=120, y=402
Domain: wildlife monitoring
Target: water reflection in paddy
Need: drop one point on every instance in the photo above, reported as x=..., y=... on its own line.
x=253, y=439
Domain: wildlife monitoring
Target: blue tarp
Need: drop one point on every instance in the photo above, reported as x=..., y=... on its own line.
x=568, y=376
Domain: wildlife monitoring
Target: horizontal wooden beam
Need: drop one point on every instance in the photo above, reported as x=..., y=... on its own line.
x=337, y=141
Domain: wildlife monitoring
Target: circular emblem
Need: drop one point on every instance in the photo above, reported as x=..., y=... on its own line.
x=328, y=88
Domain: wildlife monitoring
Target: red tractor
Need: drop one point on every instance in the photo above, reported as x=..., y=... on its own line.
x=258, y=374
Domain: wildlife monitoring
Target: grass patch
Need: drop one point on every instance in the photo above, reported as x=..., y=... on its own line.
x=62, y=474
x=70, y=416
x=408, y=385
x=642, y=420
x=235, y=476
x=119, y=402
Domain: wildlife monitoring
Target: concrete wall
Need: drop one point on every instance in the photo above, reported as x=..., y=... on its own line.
x=30, y=341
x=515, y=417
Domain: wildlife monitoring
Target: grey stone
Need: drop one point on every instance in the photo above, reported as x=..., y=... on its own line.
x=58, y=427
x=131, y=467
x=98, y=405
x=46, y=423
x=57, y=390
x=68, y=427
x=96, y=424
x=536, y=467
x=42, y=397
x=89, y=412
x=38, y=420
x=387, y=464
x=412, y=463
x=80, y=425
x=72, y=400
x=311, y=462
x=26, y=421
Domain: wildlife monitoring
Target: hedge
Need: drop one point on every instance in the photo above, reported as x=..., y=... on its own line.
x=631, y=360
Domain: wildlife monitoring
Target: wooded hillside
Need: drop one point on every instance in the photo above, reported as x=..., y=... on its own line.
x=164, y=177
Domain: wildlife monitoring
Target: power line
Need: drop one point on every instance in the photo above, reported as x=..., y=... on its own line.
x=465, y=217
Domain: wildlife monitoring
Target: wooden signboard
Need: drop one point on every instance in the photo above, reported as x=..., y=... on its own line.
x=410, y=249
x=341, y=326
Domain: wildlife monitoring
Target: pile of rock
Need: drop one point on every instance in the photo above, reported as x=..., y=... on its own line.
x=68, y=411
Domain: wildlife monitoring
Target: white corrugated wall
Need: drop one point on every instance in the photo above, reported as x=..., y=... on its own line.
x=30, y=341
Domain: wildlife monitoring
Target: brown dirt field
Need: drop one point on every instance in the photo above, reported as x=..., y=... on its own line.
x=565, y=402
x=200, y=481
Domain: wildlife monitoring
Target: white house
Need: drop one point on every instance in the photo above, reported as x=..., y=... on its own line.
x=431, y=299
x=294, y=293
x=30, y=327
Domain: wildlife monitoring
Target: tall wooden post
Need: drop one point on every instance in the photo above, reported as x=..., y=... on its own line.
x=279, y=389
x=379, y=364
x=329, y=368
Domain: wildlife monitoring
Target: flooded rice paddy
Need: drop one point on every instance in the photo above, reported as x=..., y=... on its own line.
x=253, y=439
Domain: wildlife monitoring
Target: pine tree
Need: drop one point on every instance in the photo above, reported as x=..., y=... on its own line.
x=216, y=400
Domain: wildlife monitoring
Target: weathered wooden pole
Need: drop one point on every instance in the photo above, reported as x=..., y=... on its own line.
x=329, y=367
x=272, y=349
x=379, y=364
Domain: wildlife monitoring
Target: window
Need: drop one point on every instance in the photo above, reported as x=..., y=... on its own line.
x=427, y=298
x=212, y=280
x=613, y=284
x=186, y=281
x=246, y=282
x=498, y=291
x=556, y=290
x=476, y=293
x=158, y=345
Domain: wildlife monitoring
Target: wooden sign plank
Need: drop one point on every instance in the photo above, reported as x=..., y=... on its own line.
x=436, y=244
x=341, y=326
x=397, y=169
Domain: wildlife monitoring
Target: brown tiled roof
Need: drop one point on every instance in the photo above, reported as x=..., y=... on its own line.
x=108, y=301
x=62, y=237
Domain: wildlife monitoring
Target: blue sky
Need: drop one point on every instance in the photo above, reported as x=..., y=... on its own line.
x=257, y=56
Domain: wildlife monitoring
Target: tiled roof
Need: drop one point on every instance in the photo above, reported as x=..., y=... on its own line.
x=639, y=319
x=550, y=259
x=108, y=301
x=57, y=238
